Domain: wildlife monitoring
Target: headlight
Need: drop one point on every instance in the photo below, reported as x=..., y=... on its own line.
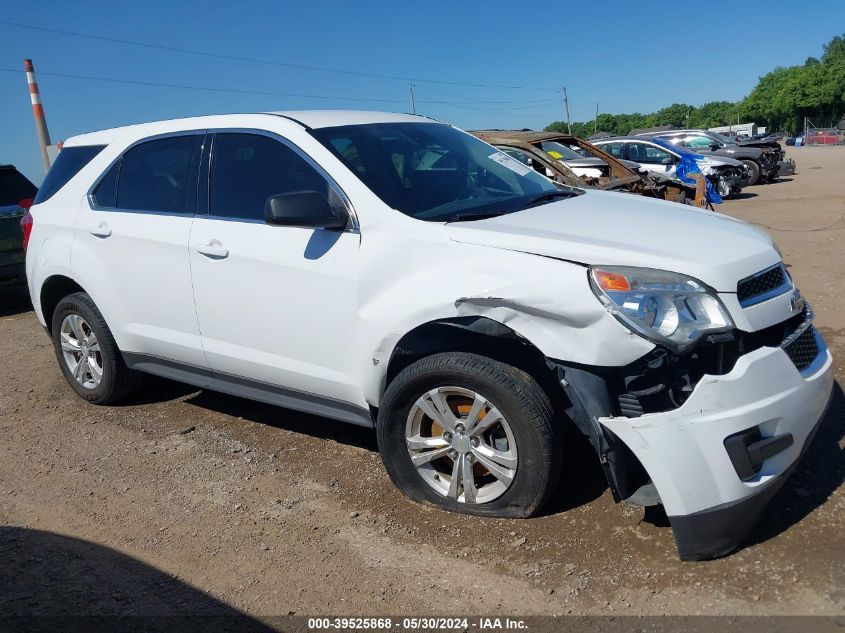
x=667, y=308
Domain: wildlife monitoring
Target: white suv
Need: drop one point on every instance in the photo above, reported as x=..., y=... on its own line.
x=396, y=272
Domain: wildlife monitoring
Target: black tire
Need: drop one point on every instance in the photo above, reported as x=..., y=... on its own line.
x=753, y=171
x=520, y=399
x=118, y=381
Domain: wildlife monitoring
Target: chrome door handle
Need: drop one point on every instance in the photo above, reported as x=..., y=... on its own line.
x=100, y=230
x=213, y=248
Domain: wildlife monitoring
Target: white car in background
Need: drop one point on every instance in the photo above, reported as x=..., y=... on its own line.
x=580, y=164
x=395, y=272
x=660, y=156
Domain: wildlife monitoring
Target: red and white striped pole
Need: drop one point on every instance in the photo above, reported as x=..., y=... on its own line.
x=38, y=112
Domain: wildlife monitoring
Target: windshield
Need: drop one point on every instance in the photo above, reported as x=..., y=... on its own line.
x=560, y=151
x=721, y=137
x=434, y=172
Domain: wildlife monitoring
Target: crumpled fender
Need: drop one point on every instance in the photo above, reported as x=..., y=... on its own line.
x=544, y=300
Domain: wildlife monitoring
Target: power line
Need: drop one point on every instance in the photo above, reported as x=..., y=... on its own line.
x=254, y=60
x=465, y=99
x=206, y=88
x=498, y=112
x=156, y=84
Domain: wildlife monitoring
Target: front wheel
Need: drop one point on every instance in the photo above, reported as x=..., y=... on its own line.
x=753, y=171
x=469, y=434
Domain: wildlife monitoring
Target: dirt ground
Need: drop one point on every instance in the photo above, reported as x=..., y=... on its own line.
x=185, y=501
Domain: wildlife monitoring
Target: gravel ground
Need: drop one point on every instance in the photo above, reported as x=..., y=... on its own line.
x=186, y=502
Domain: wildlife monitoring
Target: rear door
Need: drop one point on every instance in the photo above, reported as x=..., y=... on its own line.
x=132, y=239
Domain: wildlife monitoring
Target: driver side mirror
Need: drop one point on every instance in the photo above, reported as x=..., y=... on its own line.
x=714, y=146
x=307, y=209
x=667, y=161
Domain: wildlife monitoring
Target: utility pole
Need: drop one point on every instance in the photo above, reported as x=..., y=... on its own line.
x=566, y=107
x=38, y=112
x=411, y=98
x=596, y=120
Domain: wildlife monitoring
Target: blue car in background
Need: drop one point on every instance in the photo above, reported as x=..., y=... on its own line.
x=725, y=176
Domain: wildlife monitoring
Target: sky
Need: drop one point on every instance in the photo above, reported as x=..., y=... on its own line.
x=490, y=64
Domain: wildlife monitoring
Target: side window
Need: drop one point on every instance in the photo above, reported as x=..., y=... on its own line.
x=698, y=142
x=246, y=169
x=521, y=156
x=526, y=159
x=614, y=149
x=160, y=175
x=647, y=154
x=68, y=163
x=682, y=141
x=105, y=195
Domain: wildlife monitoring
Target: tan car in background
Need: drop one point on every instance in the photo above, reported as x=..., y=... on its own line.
x=572, y=161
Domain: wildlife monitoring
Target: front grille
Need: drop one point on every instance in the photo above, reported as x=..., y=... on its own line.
x=760, y=284
x=804, y=349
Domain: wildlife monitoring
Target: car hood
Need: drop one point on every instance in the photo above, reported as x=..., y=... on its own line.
x=594, y=161
x=743, y=151
x=584, y=162
x=760, y=143
x=606, y=228
x=719, y=161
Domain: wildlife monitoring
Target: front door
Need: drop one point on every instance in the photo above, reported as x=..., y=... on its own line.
x=652, y=158
x=277, y=305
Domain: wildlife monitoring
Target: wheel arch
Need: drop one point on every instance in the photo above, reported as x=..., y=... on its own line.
x=578, y=396
x=53, y=290
x=474, y=334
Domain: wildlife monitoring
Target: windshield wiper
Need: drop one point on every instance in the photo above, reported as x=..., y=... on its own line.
x=548, y=196
x=476, y=215
x=493, y=213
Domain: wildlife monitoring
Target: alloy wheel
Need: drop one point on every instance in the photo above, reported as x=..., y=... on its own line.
x=81, y=351
x=461, y=445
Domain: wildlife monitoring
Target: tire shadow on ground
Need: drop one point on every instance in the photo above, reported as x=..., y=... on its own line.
x=743, y=195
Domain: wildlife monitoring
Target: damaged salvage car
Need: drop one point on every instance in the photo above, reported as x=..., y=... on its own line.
x=395, y=272
x=572, y=161
x=762, y=158
x=727, y=176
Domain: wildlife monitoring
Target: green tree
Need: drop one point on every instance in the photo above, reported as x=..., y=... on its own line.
x=780, y=100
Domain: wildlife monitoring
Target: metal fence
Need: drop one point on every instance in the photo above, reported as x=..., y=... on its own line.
x=820, y=131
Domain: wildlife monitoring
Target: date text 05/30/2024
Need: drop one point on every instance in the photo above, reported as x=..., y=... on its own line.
x=417, y=624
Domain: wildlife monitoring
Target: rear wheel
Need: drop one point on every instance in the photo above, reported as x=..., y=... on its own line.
x=87, y=353
x=469, y=434
x=753, y=171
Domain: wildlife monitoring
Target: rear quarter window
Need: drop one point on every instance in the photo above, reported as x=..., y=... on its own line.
x=68, y=163
x=614, y=149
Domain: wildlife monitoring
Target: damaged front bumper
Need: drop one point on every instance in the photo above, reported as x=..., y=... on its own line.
x=718, y=458
x=770, y=164
x=786, y=167
x=731, y=180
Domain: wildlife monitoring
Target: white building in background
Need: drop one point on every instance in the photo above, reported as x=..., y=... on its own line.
x=747, y=129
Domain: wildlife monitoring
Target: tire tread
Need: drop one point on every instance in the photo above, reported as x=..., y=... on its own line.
x=521, y=386
x=123, y=381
